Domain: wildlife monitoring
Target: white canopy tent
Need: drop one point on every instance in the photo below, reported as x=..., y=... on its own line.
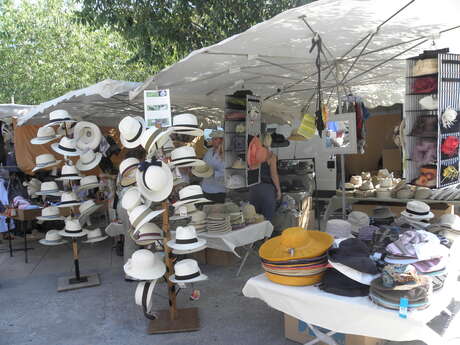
x=7, y=111
x=365, y=43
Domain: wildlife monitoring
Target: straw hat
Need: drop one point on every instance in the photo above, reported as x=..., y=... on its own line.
x=73, y=228
x=423, y=193
x=95, y=236
x=145, y=265
x=386, y=182
x=69, y=199
x=203, y=171
x=186, y=124
x=52, y=238
x=44, y=135
x=50, y=213
x=144, y=296
x=429, y=103
x=424, y=67
x=416, y=209
x=356, y=180
x=383, y=193
x=44, y=161
x=66, y=147
x=361, y=277
x=405, y=194
x=131, y=129
x=89, y=182
x=186, y=239
x=154, y=180
x=191, y=194
x=382, y=212
x=187, y=271
x=147, y=234
x=127, y=171
x=89, y=160
x=185, y=156
x=88, y=207
x=49, y=188
x=59, y=116
x=87, y=135
x=69, y=173
x=131, y=199
x=141, y=215
x=451, y=221
x=367, y=185
x=383, y=173
x=296, y=243
x=358, y=220
x=153, y=139
x=338, y=228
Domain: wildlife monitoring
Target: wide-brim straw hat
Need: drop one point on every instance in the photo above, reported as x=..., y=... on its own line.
x=154, y=272
x=296, y=243
x=200, y=278
x=45, y=242
x=187, y=246
x=52, y=163
x=95, y=239
x=417, y=210
x=425, y=67
x=66, y=147
x=87, y=135
x=155, y=195
x=84, y=186
x=138, y=138
x=44, y=139
x=295, y=281
x=203, y=171
x=90, y=210
x=138, y=296
x=89, y=165
x=81, y=233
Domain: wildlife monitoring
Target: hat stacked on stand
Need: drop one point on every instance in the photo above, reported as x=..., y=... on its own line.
x=52, y=238
x=382, y=215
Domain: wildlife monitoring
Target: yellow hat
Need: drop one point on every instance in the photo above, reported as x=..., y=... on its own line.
x=295, y=281
x=296, y=243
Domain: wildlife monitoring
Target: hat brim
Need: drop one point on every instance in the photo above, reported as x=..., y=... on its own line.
x=295, y=281
x=205, y=174
x=68, y=178
x=184, y=252
x=156, y=196
x=85, y=167
x=48, y=165
x=189, y=162
x=58, y=122
x=400, y=261
x=140, y=291
x=160, y=140
x=200, y=278
x=188, y=246
x=147, y=241
x=194, y=132
x=191, y=201
x=89, y=186
x=95, y=138
x=40, y=141
x=54, y=218
x=406, y=214
x=51, y=243
x=58, y=193
x=96, y=239
x=360, y=277
x=147, y=219
x=136, y=143
x=64, y=233
x=153, y=273
x=55, y=148
x=90, y=210
x=76, y=203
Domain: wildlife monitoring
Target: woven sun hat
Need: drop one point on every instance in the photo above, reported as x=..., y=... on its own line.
x=154, y=180
x=192, y=194
x=386, y=182
x=416, y=209
x=186, y=239
x=338, y=228
x=89, y=182
x=88, y=207
x=358, y=220
x=383, y=193
x=127, y=171
x=131, y=129
x=66, y=147
x=69, y=173
x=59, y=116
x=44, y=135
x=147, y=234
x=87, y=135
x=186, y=124
x=451, y=221
x=429, y=103
x=145, y=265
x=187, y=271
x=73, y=228
x=52, y=238
x=50, y=213
x=44, y=161
x=141, y=215
x=69, y=199
x=423, y=193
x=356, y=180
x=131, y=199
x=424, y=67
x=185, y=156
x=203, y=171
x=49, y=188
x=89, y=160
x=144, y=296
x=153, y=139
x=95, y=236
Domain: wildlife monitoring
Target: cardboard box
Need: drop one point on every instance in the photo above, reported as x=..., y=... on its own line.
x=438, y=208
x=299, y=332
x=220, y=258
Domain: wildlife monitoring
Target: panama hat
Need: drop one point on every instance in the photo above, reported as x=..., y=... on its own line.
x=95, y=236
x=185, y=156
x=73, y=228
x=424, y=67
x=189, y=208
x=131, y=199
x=49, y=188
x=50, y=213
x=191, y=194
x=154, y=180
x=127, y=171
x=89, y=160
x=203, y=171
x=186, y=239
x=153, y=139
x=88, y=182
x=131, y=129
x=88, y=207
x=145, y=265
x=187, y=271
x=144, y=297
x=147, y=234
x=141, y=215
x=186, y=124
x=382, y=212
x=45, y=160
x=416, y=209
x=59, y=116
x=87, y=135
x=296, y=243
x=52, y=238
x=44, y=135
x=66, y=147
x=338, y=228
x=69, y=199
x=69, y=173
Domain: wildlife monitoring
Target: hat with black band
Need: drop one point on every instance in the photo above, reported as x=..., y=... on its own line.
x=187, y=271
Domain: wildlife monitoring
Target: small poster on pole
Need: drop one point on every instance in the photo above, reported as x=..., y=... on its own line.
x=157, y=108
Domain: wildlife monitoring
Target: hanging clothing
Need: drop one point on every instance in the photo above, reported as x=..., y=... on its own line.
x=4, y=201
x=215, y=183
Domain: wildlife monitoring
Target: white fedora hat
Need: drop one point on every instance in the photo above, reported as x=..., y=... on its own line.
x=59, y=116
x=416, y=209
x=44, y=135
x=89, y=182
x=95, y=236
x=145, y=265
x=153, y=139
x=73, y=228
x=192, y=194
x=45, y=160
x=141, y=215
x=144, y=296
x=52, y=238
x=147, y=234
x=88, y=207
x=89, y=160
x=186, y=124
x=49, y=188
x=186, y=239
x=451, y=221
x=33, y=186
x=87, y=135
x=360, y=277
x=154, y=180
x=127, y=171
x=69, y=199
x=204, y=171
x=358, y=220
x=50, y=213
x=185, y=156
x=66, y=147
x=187, y=271
x=69, y=172
x=338, y=228
x=131, y=129
x=131, y=199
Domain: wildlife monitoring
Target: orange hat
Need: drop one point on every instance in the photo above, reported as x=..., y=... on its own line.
x=257, y=154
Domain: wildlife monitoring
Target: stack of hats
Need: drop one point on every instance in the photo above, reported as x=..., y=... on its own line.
x=198, y=221
x=218, y=223
x=401, y=281
x=350, y=190
x=250, y=215
x=367, y=190
x=190, y=195
x=297, y=257
x=416, y=215
x=358, y=220
x=237, y=220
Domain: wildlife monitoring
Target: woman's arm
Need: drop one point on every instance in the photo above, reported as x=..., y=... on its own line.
x=274, y=175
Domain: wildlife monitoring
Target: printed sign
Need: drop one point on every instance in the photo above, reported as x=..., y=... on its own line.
x=157, y=108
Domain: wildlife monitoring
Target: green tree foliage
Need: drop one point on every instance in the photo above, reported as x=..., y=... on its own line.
x=45, y=52
x=163, y=31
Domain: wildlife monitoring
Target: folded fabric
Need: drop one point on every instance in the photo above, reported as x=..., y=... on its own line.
x=419, y=244
x=353, y=253
x=339, y=284
x=425, y=85
x=433, y=265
